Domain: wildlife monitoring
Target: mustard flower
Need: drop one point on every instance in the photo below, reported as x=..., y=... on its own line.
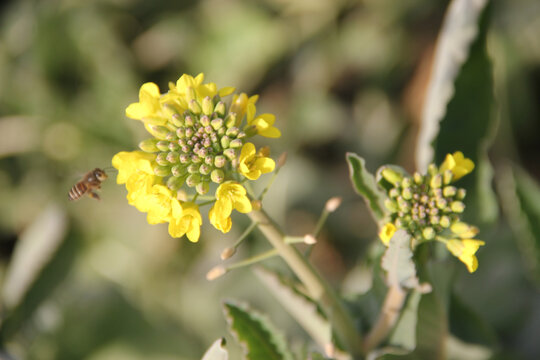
x=465, y=250
x=199, y=142
x=186, y=220
x=429, y=206
x=230, y=196
x=253, y=164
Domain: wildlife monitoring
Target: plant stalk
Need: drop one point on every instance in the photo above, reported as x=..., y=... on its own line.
x=317, y=287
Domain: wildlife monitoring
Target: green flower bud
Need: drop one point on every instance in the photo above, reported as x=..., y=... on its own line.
x=207, y=105
x=457, y=206
x=173, y=157
x=175, y=183
x=391, y=205
x=250, y=131
x=230, y=120
x=407, y=193
x=432, y=169
x=220, y=109
x=449, y=191
x=171, y=136
x=173, y=146
x=461, y=194
x=441, y=203
x=194, y=107
x=406, y=182
x=418, y=178
x=161, y=159
x=149, y=145
x=392, y=176
x=217, y=176
x=445, y=221
x=202, y=188
x=230, y=154
x=193, y=168
x=225, y=142
x=184, y=158
x=178, y=170
x=177, y=120
x=428, y=233
x=188, y=120
x=434, y=220
x=162, y=170
x=217, y=124
x=236, y=143
x=448, y=176
x=193, y=179
x=204, y=120
x=196, y=159
x=241, y=135
x=232, y=132
x=220, y=161
x=181, y=132
x=393, y=193
x=163, y=145
x=436, y=181
x=160, y=132
x=205, y=169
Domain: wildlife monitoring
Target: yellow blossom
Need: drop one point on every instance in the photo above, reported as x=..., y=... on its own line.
x=149, y=108
x=464, y=230
x=387, y=232
x=262, y=123
x=240, y=104
x=186, y=220
x=157, y=204
x=464, y=250
x=230, y=196
x=252, y=164
x=458, y=164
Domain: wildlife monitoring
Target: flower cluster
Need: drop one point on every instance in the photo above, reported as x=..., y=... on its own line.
x=428, y=207
x=199, y=142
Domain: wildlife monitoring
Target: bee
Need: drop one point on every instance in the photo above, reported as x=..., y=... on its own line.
x=90, y=182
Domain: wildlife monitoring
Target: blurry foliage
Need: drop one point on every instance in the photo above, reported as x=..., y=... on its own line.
x=340, y=76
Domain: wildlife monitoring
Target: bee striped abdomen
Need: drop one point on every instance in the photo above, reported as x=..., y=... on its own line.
x=77, y=191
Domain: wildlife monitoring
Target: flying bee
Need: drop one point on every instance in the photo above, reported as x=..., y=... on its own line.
x=90, y=182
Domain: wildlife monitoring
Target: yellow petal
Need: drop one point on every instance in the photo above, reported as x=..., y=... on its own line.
x=387, y=232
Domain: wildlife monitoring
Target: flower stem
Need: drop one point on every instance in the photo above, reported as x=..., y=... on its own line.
x=388, y=317
x=317, y=287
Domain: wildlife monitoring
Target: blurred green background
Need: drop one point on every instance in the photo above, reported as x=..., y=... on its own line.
x=92, y=280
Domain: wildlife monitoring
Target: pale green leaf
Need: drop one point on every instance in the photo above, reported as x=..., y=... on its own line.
x=259, y=338
x=397, y=262
x=364, y=184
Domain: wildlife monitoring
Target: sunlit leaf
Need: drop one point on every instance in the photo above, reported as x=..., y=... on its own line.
x=259, y=338
x=397, y=261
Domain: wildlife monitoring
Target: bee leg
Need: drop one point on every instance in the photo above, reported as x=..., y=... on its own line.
x=93, y=195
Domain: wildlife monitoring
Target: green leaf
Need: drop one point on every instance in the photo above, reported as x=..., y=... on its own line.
x=217, y=351
x=467, y=123
x=455, y=38
x=397, y=262
x=259, y=338
x=365, y=185
x=520, y=199
x=298, y=305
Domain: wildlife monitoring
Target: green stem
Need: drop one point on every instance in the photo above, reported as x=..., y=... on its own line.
x=317, y=287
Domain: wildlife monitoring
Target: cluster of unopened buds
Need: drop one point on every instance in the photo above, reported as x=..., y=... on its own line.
x=199, y=144
x=429, y=207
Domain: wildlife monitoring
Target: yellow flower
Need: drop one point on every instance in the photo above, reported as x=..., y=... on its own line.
x=157, y=204
x=464, y=250
x=458, y=164
x=240, y=104
x=230, y=196
x=464, y=230
x=186, y=220
x=252, y=164
x=189, y=88
x=386, y=233
x=262, y=123
x=149, y=108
